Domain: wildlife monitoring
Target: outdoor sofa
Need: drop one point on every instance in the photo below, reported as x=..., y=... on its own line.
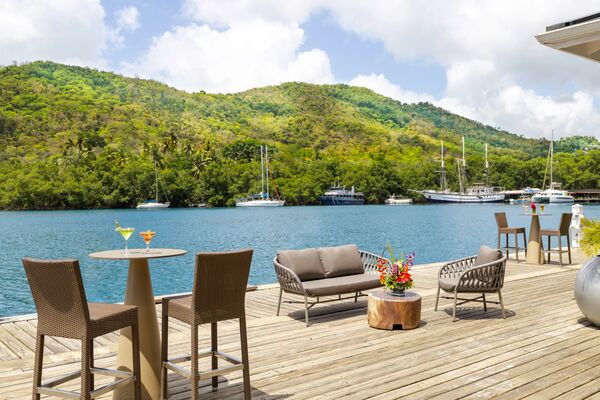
x=326, y=271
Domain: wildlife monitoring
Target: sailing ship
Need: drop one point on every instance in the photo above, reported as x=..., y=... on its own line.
x=154, y=204
x=263, y=198
x=554, y=193
x=337, y=195
x=478, y=193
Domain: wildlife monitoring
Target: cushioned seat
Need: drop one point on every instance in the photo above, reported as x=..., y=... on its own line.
x=341, y=284
x=448, y=284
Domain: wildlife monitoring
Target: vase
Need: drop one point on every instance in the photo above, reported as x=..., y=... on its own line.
x=587, y=290
x=397, y=292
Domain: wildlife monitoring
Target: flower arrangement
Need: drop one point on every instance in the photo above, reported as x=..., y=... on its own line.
x=395, y=274
x=533, y=207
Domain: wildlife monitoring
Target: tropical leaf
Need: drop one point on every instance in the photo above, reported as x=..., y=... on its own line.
x=590, y=236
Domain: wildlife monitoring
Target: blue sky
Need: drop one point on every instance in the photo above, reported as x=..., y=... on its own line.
x=477, y=59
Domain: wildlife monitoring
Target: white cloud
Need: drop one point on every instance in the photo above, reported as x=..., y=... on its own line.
x=68, y=31
x=245, y=55
x=128, y=18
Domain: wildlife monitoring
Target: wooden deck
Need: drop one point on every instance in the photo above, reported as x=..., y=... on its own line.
x=544, y=349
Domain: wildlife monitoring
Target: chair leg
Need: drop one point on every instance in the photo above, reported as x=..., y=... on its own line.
x=91, y=364
x=437, y=299
x=135, y=350
x=569, y=247
x=38, y=364
x=85, y=369
x=501, y=303
x=525, y=243
x=499, y=239
x=507, y=245
x=454, y=307
x=560, y=250
x=214, y=360
x=164, y=352
x=306, y=310
x=549, y=247
x=194, y=377
x=246, y=371
x=484, y=303
x=517, y=246
x=356, y=297
x=279, y=301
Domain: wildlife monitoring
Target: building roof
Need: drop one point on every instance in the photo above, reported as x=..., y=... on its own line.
x=580, y=36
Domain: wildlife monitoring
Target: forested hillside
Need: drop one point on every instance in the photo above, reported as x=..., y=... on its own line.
x=74, y=137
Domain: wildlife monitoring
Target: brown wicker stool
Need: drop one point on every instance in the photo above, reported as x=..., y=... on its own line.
x=503, y=228
x=63, y=311
x=219, y=294
x=563, y=230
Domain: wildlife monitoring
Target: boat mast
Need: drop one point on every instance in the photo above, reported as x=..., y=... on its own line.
x=442, y=171
x=551, y=159
x=262, y=172
x=267, y=168
x=461, y=169
x=487, y=165
x=155, y=181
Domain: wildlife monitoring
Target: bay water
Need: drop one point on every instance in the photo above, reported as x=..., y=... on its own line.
x=435, y=232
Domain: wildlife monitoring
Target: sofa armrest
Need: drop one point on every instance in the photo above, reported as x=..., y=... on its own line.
x=370, y=262
x=288, y=280
x=455, y=268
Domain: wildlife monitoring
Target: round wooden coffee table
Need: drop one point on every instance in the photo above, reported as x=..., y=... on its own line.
x=392, y=312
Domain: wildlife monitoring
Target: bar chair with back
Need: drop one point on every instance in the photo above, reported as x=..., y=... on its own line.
x=503, y=228
x=63, y=311
x=563, y=230
x=218, y=294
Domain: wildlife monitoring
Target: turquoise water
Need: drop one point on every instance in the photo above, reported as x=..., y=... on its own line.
x=433, y=232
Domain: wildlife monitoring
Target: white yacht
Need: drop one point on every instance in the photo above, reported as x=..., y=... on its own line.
x=478, y=193
x=154, y=204
x=554, y=194
x=394, y=200
x=261, y=199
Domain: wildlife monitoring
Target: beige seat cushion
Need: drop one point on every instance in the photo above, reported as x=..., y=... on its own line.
x=341, y=260
x=305, y=263
x=448, y=284
x=341, y=284
x=487, y=255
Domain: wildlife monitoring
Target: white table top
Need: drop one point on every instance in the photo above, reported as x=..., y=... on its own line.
x=135, y=254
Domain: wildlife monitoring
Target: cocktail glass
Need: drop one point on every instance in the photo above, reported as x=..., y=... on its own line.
x=126, y=233
x=147, y=236
x=542, y=208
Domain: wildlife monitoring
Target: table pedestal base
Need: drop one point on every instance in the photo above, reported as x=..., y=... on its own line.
x=139, y=293
x=534, y=247
x=389, y=312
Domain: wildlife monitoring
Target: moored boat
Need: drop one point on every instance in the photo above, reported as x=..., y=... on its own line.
x=554, y=194
x=394, y=200
x=339, y=196
x=261, y=199
x=154, y=204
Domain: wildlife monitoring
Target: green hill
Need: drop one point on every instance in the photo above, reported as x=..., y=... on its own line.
x=74, y=137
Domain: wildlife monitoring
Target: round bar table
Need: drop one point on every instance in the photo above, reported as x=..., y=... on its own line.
x=534, y=247
x=139, y=293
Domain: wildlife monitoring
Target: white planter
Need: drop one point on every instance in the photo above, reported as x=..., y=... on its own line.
x=587, y=290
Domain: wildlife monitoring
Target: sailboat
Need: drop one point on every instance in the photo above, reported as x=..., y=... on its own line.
x=154, y=204
x=261, y=199
x=554, y=193
x=478, y=193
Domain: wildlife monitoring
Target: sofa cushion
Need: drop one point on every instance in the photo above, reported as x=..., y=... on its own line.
x=341, y=260
x=305, y=263
x=448, y=284
x=487, y=255
x=342, y=284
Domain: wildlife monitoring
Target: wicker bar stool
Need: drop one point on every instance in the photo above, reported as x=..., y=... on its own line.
x=63, y=311
x=219, y=294
x=563, y=230
x=503, y=228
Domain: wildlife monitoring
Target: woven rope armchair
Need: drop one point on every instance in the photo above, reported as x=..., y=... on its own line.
x=290, y=283
x=468, y=276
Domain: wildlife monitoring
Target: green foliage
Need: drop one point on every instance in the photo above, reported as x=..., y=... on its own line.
x=73, y=137
x=590, y=236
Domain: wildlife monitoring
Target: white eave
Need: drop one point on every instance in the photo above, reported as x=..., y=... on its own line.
x=582, y=39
